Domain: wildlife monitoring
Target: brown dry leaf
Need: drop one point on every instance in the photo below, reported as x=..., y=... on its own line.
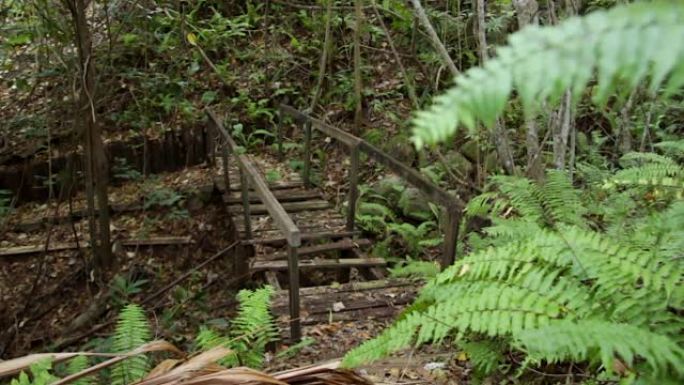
x=163, y=367
x=154, y=346
x=236, y=376
x=194, y=367
x=14, y=366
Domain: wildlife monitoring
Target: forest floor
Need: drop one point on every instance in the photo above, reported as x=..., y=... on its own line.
x=43, y=292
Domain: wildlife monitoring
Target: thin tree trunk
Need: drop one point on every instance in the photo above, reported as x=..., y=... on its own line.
x=358, y=82
x=439, y=46
x=561, y=130
x=501, y=140
x=96, y=163
x=526, y=11
x=324, y=57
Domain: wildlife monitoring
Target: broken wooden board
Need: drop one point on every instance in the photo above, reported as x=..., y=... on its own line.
x=290, y=207
x=345, y=244
x=309, y=236
x=347, y=302
x=284, y=195
x=343, y=263
x=36, y=249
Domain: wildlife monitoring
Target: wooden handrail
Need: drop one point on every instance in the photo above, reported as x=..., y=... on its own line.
x=453, y=204
x=275, y=209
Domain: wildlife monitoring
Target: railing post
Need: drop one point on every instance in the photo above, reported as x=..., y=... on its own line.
x=307, y=154
x=293, y=270
x=279, y=134
x=450, y=237
x=353, y=187
x=244, y=187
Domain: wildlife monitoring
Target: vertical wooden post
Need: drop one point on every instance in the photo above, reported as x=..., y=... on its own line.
x=244, y=187
x=279, y=134
x=450, y=237
x=293, y=270
x=307, y=154
x=353, y=187
x=226, y=171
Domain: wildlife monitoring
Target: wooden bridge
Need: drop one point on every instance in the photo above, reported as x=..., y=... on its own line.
x=282, y=225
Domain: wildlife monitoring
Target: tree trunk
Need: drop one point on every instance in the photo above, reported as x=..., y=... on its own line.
x=358, y=82
x=501, y=140
x=96, y=162
x=526, y=10
x=443, y=53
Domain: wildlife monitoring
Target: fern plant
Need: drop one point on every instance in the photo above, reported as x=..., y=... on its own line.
x=621, y=47
x=132, y=330
x=250, y=331
x=556, y=290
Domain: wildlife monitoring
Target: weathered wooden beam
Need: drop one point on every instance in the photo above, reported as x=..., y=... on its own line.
x=348, y=139
x=284, y=195
x=306, y=236
x=282, y=185
x=349, y=287
x=290, y=207
x=353, y=188
x=319, y=264
x=292, y=267
x=345, y=244
x=37, y=249
x=257, y=182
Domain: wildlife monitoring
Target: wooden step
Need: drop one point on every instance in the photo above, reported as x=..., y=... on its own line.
x=310, y=236
x=345, y=244
x=319, y=264
x=290, y=207
x=282, y=185
x=285, y=195
x=348, y=302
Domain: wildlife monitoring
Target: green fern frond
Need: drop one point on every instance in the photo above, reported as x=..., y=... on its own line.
x=522, y=195
x=77, y=365
x=588, y=339
x=673, y=147
x=484, y=355
x=253, y=328
x=560, y=200
x=669, y=175
x=415, y=269
x=622, y=46
x=132, y=330
x=250, y=331
x=633, y=159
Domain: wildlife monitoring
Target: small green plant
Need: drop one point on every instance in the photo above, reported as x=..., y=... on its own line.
x=122, y=170
x=250, y=331
x=162, y=197
x=5, y=203
x=132, y=330
x=122, y=289
x=40, y=374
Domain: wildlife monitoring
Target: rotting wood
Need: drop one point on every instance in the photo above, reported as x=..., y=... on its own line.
x=324, y=305
x=285, y=195
x=309, y=236
x=289, y=207
x=37, y=249
x=257, y=182
x=351, y=287
x=345, y=244
x=319, y=264
x=292, y=266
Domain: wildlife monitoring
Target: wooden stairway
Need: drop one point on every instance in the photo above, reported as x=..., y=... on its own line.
x=291, y=227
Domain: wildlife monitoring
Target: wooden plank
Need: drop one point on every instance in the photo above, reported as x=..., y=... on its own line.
x=325, y=305
x=345, y=244
x=349, y=287
x=319, y=264
x=309, y=236
x=284, y=195
x=281, y=185
x=37, y=249
x=290, y=207
x=279, y=215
